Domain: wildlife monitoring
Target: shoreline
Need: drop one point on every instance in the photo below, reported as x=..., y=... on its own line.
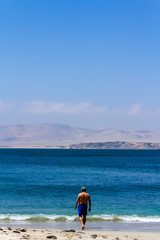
x=67, y=234
x=90, y=226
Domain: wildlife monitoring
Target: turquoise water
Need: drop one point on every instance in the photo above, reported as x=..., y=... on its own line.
x=41, y=184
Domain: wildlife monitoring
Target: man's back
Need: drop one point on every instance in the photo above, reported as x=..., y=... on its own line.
x=83, y=198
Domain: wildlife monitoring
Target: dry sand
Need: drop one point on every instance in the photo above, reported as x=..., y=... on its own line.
x=37, y=234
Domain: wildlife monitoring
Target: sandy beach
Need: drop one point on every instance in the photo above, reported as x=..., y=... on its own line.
x=41, y=234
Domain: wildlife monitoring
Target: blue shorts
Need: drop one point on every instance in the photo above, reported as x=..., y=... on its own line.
x=82, y=209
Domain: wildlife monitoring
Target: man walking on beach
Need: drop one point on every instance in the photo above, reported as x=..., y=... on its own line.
x=83, y=198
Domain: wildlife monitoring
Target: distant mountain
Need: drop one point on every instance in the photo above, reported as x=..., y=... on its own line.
x=58, y=135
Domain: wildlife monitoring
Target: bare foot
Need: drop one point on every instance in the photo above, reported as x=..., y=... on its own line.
x=82, y=227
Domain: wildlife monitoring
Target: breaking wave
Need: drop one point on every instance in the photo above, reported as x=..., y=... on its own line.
x=67, y=218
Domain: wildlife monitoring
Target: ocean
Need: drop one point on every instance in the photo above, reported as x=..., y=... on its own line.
x=42, y=185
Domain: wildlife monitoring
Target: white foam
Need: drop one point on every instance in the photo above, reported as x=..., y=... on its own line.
x=131, y=218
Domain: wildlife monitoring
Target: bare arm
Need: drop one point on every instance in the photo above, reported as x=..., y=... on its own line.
x=89, y=203
x=77, y=202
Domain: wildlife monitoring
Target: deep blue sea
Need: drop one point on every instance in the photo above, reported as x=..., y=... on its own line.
x=43, y=184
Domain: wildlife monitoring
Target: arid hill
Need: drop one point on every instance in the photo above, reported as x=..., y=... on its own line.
x=58, y=135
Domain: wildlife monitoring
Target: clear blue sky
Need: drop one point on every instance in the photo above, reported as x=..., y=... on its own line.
x=86, y=63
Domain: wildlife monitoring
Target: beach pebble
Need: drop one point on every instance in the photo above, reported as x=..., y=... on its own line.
x=51, y=237
x=25, y=236
x=16, y=231
x=71, y=230
x=94, y=236
x=22, y=230
x=81, y=232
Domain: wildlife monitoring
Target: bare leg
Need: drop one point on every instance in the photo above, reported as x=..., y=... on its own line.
x=84, y=219
x=81, y=221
